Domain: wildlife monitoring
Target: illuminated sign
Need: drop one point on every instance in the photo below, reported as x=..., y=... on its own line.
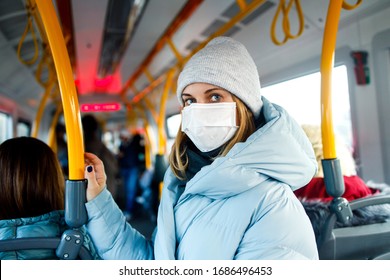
x=101, y=107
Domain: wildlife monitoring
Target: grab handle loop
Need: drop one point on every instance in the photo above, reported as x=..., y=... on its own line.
x=29, y=28
x=347, y=6
x=285, y=12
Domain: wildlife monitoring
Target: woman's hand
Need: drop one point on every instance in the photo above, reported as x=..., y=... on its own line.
x=94, y=173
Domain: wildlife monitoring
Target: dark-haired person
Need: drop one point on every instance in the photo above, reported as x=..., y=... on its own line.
x=31, y=196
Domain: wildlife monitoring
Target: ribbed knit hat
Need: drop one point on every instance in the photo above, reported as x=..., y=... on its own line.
x=226, y=63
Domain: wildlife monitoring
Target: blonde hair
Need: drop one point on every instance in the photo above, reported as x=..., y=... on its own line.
x=347, y=162
x=178, y=159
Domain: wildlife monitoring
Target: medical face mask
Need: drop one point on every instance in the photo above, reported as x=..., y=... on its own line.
x=209, y=126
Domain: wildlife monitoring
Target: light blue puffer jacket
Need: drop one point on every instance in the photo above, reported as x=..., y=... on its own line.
x=241, y=206
x=48, y=225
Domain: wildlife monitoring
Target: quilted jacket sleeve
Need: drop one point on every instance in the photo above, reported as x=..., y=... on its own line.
x=113, y=237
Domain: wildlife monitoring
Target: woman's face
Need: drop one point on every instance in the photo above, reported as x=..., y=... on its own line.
x=205, y=93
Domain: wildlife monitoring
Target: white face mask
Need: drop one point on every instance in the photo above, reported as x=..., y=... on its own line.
x=209, y=126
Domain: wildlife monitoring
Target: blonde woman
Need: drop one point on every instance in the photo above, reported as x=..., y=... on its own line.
x=228, y=193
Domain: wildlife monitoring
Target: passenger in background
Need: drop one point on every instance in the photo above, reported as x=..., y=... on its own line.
x=31, y=196
x=94, y=144
x=228, y=193
x=62, y=148
x=355, y=187
x=130, y=160
x=316, y=200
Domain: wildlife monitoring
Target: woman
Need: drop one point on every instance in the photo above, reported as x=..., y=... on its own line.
x=31, y=196
x=228, y=193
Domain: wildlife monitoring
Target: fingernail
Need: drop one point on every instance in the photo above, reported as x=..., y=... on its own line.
x=89, y=168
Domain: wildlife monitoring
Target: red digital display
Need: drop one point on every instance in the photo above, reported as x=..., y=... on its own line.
x=101, y=107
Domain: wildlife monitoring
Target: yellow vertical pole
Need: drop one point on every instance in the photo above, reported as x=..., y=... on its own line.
x=327, y=62
x=52, y=139
x=150, y=107
x=148, y=144
x=161, y=119
x=41, y=108
x=67, y=87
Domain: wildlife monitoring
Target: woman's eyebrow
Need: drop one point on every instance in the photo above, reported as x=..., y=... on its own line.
x=206, y=91
x=185, y=94
x=212, y=89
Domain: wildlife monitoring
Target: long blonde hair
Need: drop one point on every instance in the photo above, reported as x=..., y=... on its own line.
x=178, y=158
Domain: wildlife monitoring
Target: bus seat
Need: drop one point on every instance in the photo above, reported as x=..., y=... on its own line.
x=365, y=236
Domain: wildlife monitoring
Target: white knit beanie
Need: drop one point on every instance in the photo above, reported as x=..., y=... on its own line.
x=226, y=63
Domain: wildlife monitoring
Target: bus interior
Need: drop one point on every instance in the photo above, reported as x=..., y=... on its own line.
x=326, y=62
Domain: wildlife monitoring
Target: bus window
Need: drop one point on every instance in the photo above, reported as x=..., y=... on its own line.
x=301, y=98
x=23, y=128
x=5, y=127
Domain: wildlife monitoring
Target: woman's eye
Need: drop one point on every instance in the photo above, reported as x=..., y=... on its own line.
x=188, y=101
x=215, y=98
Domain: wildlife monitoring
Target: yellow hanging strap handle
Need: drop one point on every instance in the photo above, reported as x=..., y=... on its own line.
x=29, y=28
x=285, y=12
x=68, y=89
x=45, y=62
x=347, y=6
